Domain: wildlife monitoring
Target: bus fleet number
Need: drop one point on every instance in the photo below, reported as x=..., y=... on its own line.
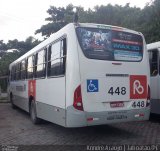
x=138, y=104
x=118, y=91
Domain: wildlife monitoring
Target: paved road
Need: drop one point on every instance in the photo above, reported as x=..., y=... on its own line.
x=16, y=128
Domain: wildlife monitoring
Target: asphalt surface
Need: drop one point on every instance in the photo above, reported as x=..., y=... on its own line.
x=16, y=128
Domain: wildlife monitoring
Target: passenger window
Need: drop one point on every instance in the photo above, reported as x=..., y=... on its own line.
x=30, y=68
x=40, y=64
x=13, y=73
x=57, y=58
x=18, y=71
x=45, y=61
x=23, y=69
x=153, y=59
x=19, y=75
x=56, y=50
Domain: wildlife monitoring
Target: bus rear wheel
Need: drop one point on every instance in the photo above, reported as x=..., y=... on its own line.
x=33, y=113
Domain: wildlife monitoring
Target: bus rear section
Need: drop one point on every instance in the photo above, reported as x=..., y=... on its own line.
x=114, y=77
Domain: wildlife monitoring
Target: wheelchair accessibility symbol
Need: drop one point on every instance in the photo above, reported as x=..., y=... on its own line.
x=92, y=85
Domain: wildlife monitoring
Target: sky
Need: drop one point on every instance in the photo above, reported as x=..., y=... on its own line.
x=20, y=19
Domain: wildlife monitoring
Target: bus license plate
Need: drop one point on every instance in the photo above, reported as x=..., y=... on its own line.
x=116, y=104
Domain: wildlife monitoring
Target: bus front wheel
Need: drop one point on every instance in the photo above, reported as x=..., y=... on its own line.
x=33, y=113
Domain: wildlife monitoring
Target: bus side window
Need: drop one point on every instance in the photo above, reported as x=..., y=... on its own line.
x=64, y=50
x=56, y=58
x=26, y=75
x=13, y=73
x=30, y=68
x=55, y=61
x=19, y=75
x=18, y=71
x=49, y=61
x=45, y=61
x=153, y=58
x=40, y=64
x=14, y=78
x=16, y=75
x=35, y=65
x=23, y=69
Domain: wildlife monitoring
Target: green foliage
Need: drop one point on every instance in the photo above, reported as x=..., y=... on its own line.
x=6, y=60
x=145, y=20
x=150, y=22
x=18, y=48
x=3, y=85
x=59, y=17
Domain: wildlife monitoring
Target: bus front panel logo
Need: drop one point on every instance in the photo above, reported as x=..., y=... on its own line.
x=92, y=85
x=138, y=87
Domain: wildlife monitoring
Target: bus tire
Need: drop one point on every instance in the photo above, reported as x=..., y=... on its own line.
x=11, y=100
x=33, y=113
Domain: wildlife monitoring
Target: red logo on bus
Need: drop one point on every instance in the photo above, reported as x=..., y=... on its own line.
x=138, y=87
x=32, y=88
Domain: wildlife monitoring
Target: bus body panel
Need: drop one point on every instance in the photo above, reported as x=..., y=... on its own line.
x=54, y=96
x=96, y=106
x=51, y=113
x=155, y=104
x=154, y=77
x=72, y=67
x=50, y=99
x=107, y=73
x=51, y=91
x=19, y=91
x=154, y=87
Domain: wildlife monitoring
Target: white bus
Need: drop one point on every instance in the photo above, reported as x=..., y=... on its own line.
x=154, y=59
x=84, y=74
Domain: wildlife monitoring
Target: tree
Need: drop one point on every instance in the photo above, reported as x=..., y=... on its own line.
x=58, y=18
x=3, y=48
x=19, y=47
x=114, y=15
x=150, y=21
x=6, y=60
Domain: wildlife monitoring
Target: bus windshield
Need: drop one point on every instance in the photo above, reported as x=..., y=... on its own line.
x=107, y=44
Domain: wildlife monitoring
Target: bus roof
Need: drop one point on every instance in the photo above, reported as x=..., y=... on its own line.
x=153, y=45
x=104, y=26
x=64, y=30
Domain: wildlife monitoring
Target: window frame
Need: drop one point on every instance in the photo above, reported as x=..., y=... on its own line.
x=13, y=73
x=30, y=67
x=45, y=49
x=24, y=70
x=62, y=49
x=17, y=71
x=155, y=62
x=110, y=52
x=44, y=64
